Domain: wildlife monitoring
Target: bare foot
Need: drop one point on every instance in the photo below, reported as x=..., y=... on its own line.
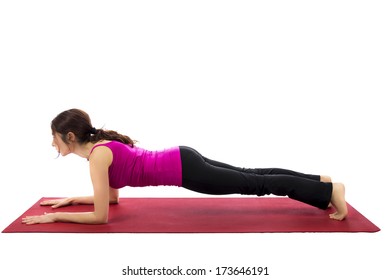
x=338, y=202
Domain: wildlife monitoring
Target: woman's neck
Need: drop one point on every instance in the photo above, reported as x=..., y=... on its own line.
x=84, y=150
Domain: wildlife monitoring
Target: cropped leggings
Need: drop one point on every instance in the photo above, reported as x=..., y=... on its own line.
x=203, y=175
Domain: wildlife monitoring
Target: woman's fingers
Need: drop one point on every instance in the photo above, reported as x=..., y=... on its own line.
x=29, y=220
x=47, y=202
x=58, y=204
x=45, y=218
x=55, y=203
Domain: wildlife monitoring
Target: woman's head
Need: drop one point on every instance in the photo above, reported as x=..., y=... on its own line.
x=74, y=125
x=73, y=121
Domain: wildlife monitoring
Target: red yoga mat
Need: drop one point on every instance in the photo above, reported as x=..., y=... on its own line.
x=202, y=215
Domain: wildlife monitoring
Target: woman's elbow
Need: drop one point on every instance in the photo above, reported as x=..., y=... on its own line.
x=100, y=219
x=114, y=200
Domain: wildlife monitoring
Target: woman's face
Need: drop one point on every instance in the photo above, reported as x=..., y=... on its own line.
x=61, y=147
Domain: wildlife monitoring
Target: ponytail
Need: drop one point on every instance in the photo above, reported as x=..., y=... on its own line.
x=101, y=134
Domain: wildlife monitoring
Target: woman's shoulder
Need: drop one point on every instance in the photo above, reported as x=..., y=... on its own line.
x=98, y=145
x=101, y=155
x=114, y=146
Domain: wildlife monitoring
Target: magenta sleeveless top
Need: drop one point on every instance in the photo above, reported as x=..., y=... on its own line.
x=137, y=167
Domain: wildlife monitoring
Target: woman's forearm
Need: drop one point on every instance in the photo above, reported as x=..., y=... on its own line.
x=82, y=200
x=80, y=217
x=90, y=200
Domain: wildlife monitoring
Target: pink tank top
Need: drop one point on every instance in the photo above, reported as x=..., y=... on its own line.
x=137, y=167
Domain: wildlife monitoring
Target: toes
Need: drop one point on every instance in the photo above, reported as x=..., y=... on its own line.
x=337, y=216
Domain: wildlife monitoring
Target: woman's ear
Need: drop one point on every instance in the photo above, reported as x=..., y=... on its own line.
x=70, y=137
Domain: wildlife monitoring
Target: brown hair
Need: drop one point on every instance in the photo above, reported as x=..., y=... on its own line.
x=79, y=122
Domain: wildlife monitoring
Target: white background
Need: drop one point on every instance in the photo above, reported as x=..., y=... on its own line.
x=293, y=84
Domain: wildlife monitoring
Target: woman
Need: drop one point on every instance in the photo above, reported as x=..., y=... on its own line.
x=116, y=162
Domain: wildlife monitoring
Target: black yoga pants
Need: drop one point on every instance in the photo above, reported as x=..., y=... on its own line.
x=203, y=175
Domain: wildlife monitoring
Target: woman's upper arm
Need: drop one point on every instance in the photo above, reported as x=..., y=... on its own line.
x=99, y=162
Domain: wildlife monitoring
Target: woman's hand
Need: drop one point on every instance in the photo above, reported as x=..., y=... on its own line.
x=42, y=219
x=56, y=203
